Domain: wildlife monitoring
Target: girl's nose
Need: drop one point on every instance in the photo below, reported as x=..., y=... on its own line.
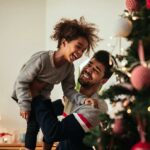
x=79, y=53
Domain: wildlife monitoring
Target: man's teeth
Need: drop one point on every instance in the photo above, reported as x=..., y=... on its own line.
x=86, y=75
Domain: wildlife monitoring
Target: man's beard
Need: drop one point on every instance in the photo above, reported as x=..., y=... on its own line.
x=84, y=84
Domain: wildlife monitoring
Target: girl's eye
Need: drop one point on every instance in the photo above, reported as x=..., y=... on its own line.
x=78, y=47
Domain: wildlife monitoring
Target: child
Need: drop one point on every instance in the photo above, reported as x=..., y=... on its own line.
x=46, y=68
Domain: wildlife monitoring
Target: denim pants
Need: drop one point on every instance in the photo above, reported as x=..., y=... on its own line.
x=33, y=126
x=32, y=131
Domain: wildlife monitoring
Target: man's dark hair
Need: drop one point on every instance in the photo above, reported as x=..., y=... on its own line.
x=72, y=29
x=107, y=60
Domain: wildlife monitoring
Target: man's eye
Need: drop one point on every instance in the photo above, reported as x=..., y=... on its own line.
x=88, y=65
x=95, y=70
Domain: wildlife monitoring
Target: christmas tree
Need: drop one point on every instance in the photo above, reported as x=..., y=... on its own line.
x=130, y=129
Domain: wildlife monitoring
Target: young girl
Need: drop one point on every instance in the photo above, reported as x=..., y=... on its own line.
x=46, y=68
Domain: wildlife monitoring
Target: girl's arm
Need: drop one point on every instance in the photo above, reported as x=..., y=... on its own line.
x=68, y=86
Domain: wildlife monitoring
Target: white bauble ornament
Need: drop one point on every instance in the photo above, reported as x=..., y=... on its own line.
x=123, y=27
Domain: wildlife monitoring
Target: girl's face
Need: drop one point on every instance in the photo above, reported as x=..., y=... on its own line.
x=74, y=49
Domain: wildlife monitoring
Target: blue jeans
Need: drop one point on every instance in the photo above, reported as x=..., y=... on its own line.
x=32, y=131
x=33, y=126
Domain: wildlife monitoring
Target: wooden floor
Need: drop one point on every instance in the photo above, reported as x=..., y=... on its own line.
x=20, y=147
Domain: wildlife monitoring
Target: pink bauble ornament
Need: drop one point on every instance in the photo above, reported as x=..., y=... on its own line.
x=148, y=4
x=118, y=126
x=140, y=77
x=141, y=146
x=132, y=5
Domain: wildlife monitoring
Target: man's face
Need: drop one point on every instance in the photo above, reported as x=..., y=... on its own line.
x=92, y=74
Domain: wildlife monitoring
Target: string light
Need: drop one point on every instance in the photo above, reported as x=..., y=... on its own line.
x=126, y=14
x=93, y=147
x=148, y=108
x=129, y=111
x=125, y=69
x=135, y=18
x=132, y=98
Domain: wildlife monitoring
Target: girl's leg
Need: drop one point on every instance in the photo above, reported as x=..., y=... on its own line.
x=32, y=131
x=58, y=108
x=54, y=130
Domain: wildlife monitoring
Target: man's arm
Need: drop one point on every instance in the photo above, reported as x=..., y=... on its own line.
x=72, y=126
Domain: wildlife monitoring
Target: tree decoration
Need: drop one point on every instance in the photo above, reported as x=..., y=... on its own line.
x=126, y=102
x=118, y=126
x=140, y=76
x=132, y=92
x=132, y=5
x=141, y=53
x=5, y=134
x=123, y=27
x=148, y=4
x=142, y=145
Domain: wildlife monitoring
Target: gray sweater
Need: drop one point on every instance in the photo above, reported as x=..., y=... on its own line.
x=40, y=67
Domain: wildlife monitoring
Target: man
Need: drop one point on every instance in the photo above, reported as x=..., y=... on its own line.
x=91, y=79
x=71, y=130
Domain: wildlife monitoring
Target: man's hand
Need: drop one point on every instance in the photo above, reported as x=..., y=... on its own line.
x=92, y=102
x=25, y=114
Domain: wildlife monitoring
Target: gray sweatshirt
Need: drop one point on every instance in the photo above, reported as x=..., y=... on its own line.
x=41, y=67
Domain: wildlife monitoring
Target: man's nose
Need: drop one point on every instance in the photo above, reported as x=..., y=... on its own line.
x=89, y=69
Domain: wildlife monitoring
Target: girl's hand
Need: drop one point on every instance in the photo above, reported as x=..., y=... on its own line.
x=25, y=114
x=92, y=102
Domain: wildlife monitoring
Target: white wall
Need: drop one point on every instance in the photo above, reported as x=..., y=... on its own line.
x=25, y=27
x=22, y=32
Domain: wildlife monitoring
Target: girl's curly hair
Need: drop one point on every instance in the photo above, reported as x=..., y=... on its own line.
x=72, y=29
